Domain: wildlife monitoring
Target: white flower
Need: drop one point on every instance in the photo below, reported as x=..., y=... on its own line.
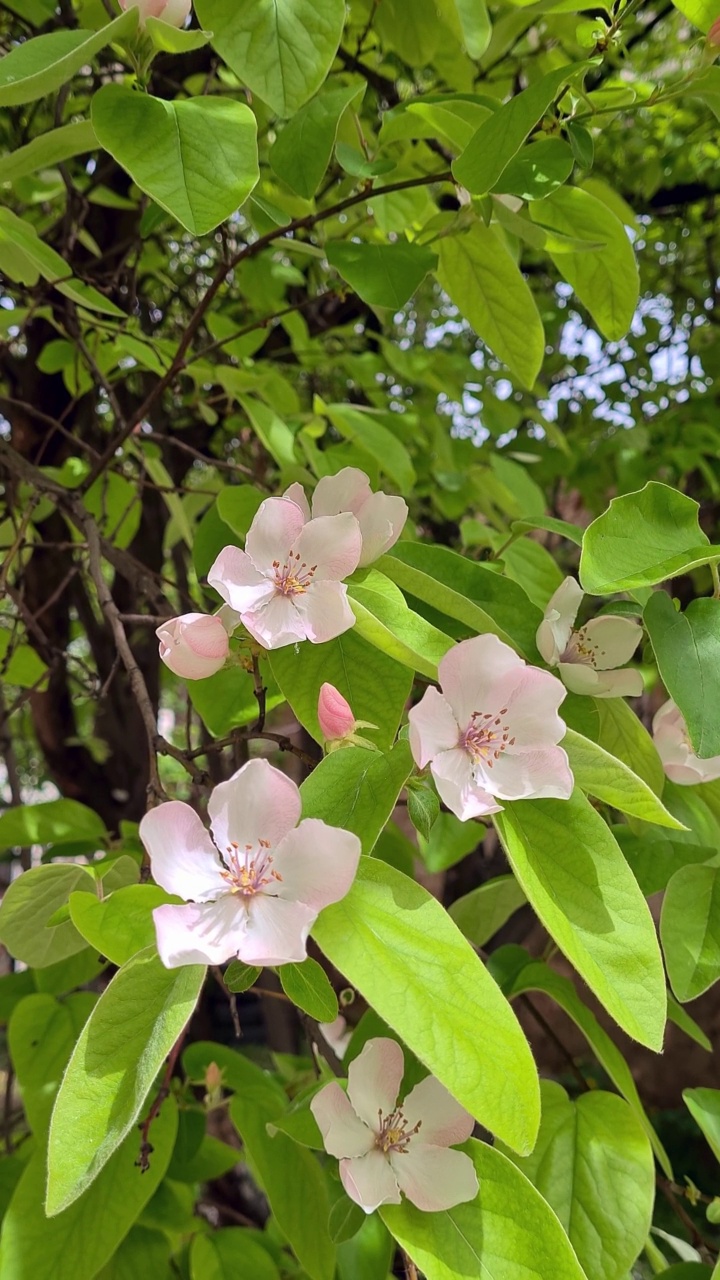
x=679, y=760
x=381, y=516
x=587, y=659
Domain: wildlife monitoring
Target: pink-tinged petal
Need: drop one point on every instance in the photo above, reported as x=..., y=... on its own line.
x=443, y=1122
x=337, y=1034
x=457, y=788
x=199, y=933
x=433, y=727
x=176, y=12
x=369, y=1180
x=680, y=763
x=343, y=1133
x=555, y=629
x=374, y=1079
x=527, y=702
x=276, y=932
x=470, y=672
x=582, y=679
x=259, y=802
x=317, y=863
x=296, y=494
x=276, y=622
x=324, y=611
x=382, y=520
x=334, y=713
x=349, y=490
x=331, y=545
x=613, y=641
x=275, y=527
x=529, y=775
x=578, y=677
x=435, y=1178
x=183, y=858
x=193, y=646
x=235, y=578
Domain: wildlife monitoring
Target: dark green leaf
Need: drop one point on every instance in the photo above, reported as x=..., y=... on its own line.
x=687, y=650
x=308, y=986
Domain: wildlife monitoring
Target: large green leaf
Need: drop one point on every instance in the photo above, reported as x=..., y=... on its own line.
x=643, y=538
x=54, y=822
x=507, y=1233
x=612, y=723
x=78, y=1243
x=704, y=1107
x=475, y=25
x=365, y=429
x=383, y=618
x=687, y=649
x=228, y=1254
x=593, y=1165
x=480, y=913
x=376, y=686
x=24, y=256
x=605, y=280
x=28, y=906
x=602, y=775
x=383, y=275
x=37, y=67
x=489, y=290
x=690, y=930
x=397, y=945
x=196, y=157
x=302, y=151
x=700, y=12
x=41, y=1036
x=142, y=1251
x=48, y=149
x=282, y=49
x=578, y=882
x=121, y=925
x=113, y=1067
x=357, y=789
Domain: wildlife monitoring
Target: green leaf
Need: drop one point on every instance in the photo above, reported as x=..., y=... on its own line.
x=197, y=157
x=681, y=1018
x=168, y=39
x=383, y=618
x=476, y=27
x=605, y=280
x=508, y=1232
x=602, y=775
x=39, y=66
x=52, y=822
x=346, y=1219
x=376, y=686
x=121, y=925
x=396, y=944
x=39, y=259
x=117, y=506
x=572, y=532
x=77, y=1244
x=240, y=977
x=488, y=289
x=357, y=789
x=364, y=429
x=24, y=667
x=30, y=903
x=383, y=275
x=423, y=808
x=655, y=857
x=282, y=49
x=537, y=170
x=113, y=1067
x=704, y=1107
x=448, y=841
x=612, y=723
x=308, y=986
x=271, y=431
x=687, y=650
x=536, y=976
x=41, y=1036
x=594, y=1166
x=227, y=700
x=690, y=930
x=142, y=1249
x=643, y=538
x=579, y=884
x=499, y=138
x=302, y=151
x=700, y=12
x=480, y=913
x=229, y=1253
x=48, y=149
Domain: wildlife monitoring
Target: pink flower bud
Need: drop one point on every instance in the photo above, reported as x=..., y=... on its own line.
x=713, y=35
x=174, y=12
x=193, y=646
x=334, y=714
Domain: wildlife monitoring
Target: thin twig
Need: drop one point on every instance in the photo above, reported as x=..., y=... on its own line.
x=146, y=1149
x=231, y=999
x=247, y=735
x=260, y=694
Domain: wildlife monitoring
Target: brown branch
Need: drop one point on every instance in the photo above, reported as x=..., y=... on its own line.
x=248, y=735
x=260, y=694
x=696, y=1235
x=231, y=999
x=146, y=1149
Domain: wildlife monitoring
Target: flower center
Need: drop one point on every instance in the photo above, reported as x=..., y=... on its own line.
x=582, y=649
x=293, y=577
x=486, y=737
x=248, y=872
x=393, y=1133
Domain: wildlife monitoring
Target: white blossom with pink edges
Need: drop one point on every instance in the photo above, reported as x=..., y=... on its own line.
x=174, y=12
x=194, y=645
x=381, y=516
x=673, y=744
x=588, y=659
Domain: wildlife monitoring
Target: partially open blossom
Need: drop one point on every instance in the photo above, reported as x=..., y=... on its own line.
x=673, y=744
x=287, y=583
x=194, y=645
x=174, y=12
x=381, y=516
x=587, y=659
x=385, y=1148
x=337, y=1034
x=255, y=892
x=335, y=715
x=493, y=730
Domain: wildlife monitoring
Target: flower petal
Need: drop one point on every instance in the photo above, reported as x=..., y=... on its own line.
x=276, y=526
x=680, y=763
x=369, y=1180
x=348, y=490
x=183, y=858
x=193, y=646
x=199, y=933
x=529, y=699
x=382, y=520
x=434, y=1178
x=374, y=1079
x=235, y=578
x=544, y=774
x=443, y=1121
x=580, y=678
x=469, y=674
x=457, y=788
x=259, y=802
x=324, y=611
x=296, y=494
x=556, y=627
x=317, y=863
x=614, y=640
x=275, y=622
x=433, y=727
x=276, y=931
x=337, y=1034
x=343, y=1133
x=332, y=543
